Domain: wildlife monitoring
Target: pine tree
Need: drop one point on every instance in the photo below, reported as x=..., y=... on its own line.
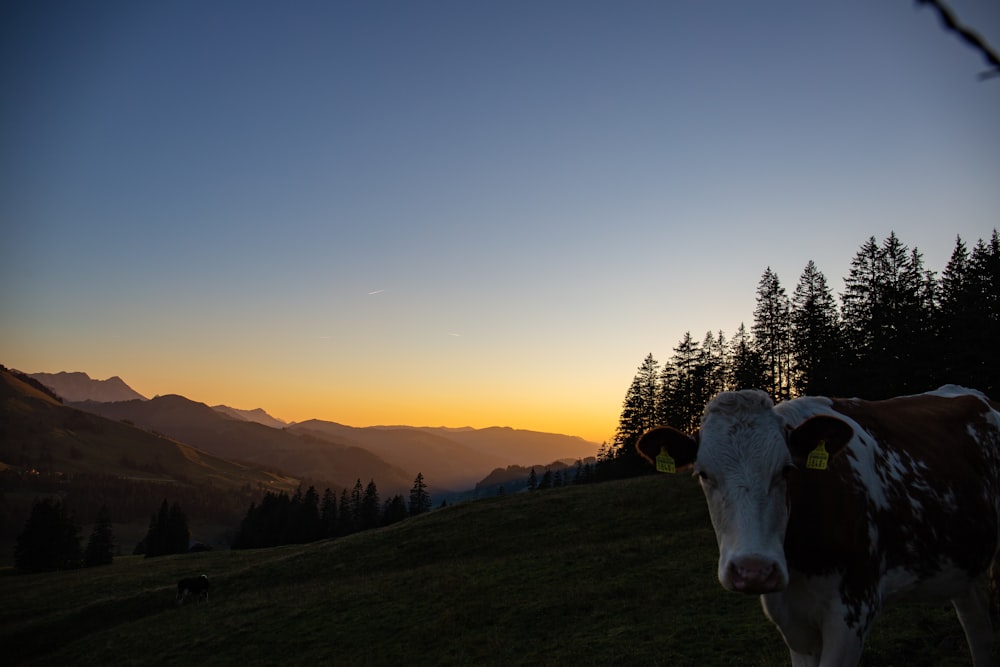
x=685, y=398
x=772, y=334
x=420, y=500
x=815, y=334
x=888, y=313
x=305, y=518
x=371, y=507
x=394, y=510
x=328, y=514
x=101, y=544
x=639, y=413
x=50, y=539
x=345, y=517
x=357, y=496
x=746, y=369
x=168, y=532
x=980, y=318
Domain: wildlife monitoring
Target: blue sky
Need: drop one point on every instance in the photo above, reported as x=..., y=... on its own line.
x=459, y=212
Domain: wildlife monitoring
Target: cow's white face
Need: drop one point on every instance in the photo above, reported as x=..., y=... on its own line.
x=742, y=464
x=743, y=454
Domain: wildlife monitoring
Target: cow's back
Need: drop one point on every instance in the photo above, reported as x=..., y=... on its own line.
x=913, y=505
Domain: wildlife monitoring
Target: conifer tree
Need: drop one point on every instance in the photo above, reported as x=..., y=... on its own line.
x=772, y=331
x=345, y=517
x=101, y=544
x=371, y=507
x=50, y=539
x=357, y=496
x=888, y=312
x=639, y=410
x=168, y=532
x=685, y=397
x=394, y=510
x=420, y=500
x=328, y=514
x=815, y=334
x=746, y=370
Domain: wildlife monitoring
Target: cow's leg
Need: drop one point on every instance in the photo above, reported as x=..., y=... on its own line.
x=803, y=660
x=842, y=644
x=973, y=609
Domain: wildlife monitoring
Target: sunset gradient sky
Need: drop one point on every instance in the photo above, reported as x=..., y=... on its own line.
x=459, y=212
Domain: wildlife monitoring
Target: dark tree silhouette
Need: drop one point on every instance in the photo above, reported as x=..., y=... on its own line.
x=420, y=500
x=50, y=539
x=772, y=334
x=815, y=334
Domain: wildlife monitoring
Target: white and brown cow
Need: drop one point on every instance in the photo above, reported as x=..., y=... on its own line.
x=831, y=508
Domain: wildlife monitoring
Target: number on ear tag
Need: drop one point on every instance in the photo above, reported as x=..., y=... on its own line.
x=664, y=462
x=818, y=458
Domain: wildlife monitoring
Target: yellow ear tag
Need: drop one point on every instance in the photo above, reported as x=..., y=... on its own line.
x=818, y=457
x=664, y=462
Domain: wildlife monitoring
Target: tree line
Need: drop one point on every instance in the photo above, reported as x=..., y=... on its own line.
x=898, y=329
x=306, y=517
x=50, y=539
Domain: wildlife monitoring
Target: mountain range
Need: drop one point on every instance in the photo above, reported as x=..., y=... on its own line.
x=450, y=459
x=81, y=387
x=39, y=432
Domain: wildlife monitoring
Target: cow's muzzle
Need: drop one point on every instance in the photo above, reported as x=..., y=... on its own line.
x=754, y=575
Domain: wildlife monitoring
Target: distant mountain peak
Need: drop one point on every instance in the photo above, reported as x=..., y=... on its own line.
x=78, y=386
x=257, y=415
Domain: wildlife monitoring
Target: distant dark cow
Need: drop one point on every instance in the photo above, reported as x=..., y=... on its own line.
x=832, y=508
x=196, y=587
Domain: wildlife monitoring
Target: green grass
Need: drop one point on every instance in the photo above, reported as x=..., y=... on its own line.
x=613, y=574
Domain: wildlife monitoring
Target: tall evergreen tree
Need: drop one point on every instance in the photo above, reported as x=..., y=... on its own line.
x=357, y=496
x=985, y=266
x=371, y=507
x=772, y=334
x=168, y=532
x=746, y=367
x=815, y=334
x=345, y=520
x=685, y=397
x=420, y=500
x=50, y=539
x=639, y=407
x=970, y=311
x=887, y=310
x=328, y=514
x=394, y=510
x=101, y=544
x=639, y=413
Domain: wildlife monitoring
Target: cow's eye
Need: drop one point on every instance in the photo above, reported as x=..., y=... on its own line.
x=705, y=477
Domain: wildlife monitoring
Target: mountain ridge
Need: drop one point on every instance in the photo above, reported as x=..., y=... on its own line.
x=78, y=386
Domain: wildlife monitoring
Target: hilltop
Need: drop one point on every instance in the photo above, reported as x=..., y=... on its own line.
x=605, y=574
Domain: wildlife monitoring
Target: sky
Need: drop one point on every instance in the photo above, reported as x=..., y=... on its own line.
x=460, y=213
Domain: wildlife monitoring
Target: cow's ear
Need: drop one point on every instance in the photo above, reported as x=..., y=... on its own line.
x=819, y=439
x=680, y=447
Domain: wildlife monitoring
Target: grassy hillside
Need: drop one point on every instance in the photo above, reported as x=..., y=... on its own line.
x=612, y=574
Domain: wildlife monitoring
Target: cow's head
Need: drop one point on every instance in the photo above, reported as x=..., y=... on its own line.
x=743, y=456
